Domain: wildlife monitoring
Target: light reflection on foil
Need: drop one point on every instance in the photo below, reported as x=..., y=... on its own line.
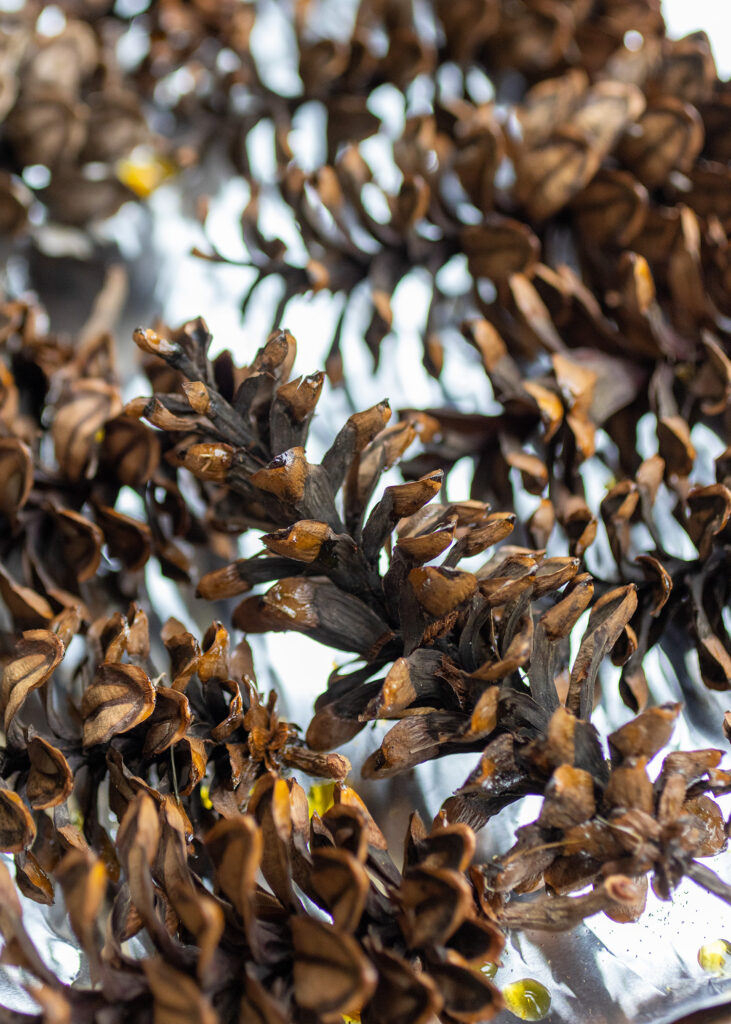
x=601, y=972
x=50, y=932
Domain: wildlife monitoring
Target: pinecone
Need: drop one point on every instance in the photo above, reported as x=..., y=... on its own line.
x=558, y=175
x=68, y=111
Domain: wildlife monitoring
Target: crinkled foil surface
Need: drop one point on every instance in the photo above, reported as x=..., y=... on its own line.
x=599, y=973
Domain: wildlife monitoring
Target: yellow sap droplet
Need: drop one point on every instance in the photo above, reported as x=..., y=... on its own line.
x=489, y=969
x=351, y=1018
x=527, y=999
x=143, y=172
x=320, y=798
x=76, y=818
x=715, y=957
x=205, y=797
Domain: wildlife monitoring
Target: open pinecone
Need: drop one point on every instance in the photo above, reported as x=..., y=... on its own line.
x=197, y=768
x=567, y=164
x=67, y=108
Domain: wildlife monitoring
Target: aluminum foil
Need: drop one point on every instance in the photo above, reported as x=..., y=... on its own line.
x=599, y=973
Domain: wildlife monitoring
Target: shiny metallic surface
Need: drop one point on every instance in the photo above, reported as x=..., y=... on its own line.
x=599, y=973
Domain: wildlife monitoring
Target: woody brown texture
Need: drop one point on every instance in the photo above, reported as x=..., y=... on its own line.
x=145, y=780
x=198, y=768
x=66, y=106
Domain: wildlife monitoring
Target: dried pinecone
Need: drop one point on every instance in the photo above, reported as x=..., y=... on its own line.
x=220, y=896
x=601, y=819
x=65, y=108
x=574, y=158
x=400, y=946
x=189, y=761
x=192, y=762
x=479, y=660
x=663, y=525
x=450, y=635
x=584, y=200
x=112, y=713
x=222, y=946
x=77, y=471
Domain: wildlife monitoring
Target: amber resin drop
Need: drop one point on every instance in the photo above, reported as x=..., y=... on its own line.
x=527, y=999
x=715, y=957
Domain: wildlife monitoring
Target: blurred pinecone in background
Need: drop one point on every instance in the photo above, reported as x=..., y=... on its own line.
x=68, y=113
